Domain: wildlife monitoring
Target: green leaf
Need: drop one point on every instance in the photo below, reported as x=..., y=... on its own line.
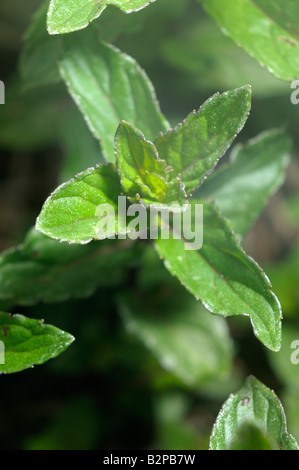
x=35, y=70
x=260, y=28
x=109, y=87
x=71, y=213
x=194, y=147
x=252, y=416
x=28, y=342
x=187, y=340
x=144, y=177
x=255, y=172
x=42, y=269
x=65, y=16
x=284, y=12
x=223, y=277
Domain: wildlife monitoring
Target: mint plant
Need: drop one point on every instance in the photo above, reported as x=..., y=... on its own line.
x=74, y=251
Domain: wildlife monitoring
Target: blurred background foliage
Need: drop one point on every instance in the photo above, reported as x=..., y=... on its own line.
x=110, y=390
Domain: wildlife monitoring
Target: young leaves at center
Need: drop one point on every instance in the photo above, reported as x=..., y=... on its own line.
x=144, y=176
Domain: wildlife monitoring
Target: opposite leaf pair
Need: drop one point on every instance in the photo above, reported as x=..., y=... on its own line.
x=146, y=178
x=168, y=171
x=192, y=149
x=219, y=274
x=159, y=174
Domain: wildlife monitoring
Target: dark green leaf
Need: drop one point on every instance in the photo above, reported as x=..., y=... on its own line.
x=45, y=270
x=250, y=437
x=223, y=277
x=284, y=12
x=252, y=416
x=71, y=213
x=194, y=147
x=28, y=342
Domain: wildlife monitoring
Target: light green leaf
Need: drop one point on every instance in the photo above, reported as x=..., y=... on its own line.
x=144, y=177
x=78, y=210
x=283, y=12
x=254, y=411
x=255, y=171
x=28, y=342
x=109, y=87
x=260, y=28
x=194, y=147
x=187, y=340
x=65, y=16
x=223, y=277
x=45, y=270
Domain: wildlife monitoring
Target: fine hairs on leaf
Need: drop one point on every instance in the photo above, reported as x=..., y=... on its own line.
x=65, y=17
